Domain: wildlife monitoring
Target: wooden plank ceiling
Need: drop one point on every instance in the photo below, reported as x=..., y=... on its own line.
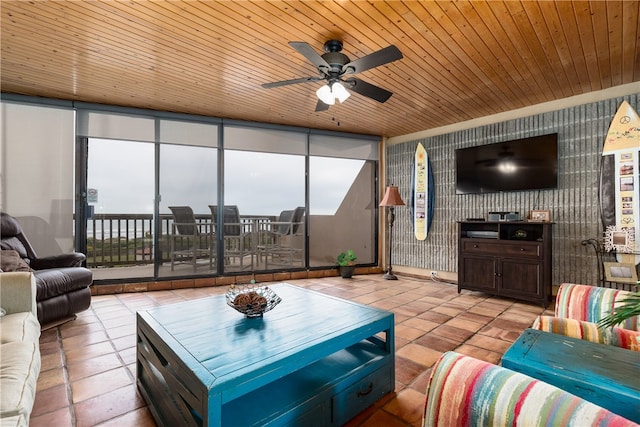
x=462, y=59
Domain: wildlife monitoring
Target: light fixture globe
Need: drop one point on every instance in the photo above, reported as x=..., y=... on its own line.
x=325, y=95
x=340, y=92
x=332, y=91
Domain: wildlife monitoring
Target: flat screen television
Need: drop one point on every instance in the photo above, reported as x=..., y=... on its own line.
x=517, y=165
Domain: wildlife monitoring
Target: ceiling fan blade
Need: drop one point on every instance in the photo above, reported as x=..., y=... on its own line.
x=375, y=59
x=290, y=82
x=307, y=51
x=321, y=106
x=368, y=90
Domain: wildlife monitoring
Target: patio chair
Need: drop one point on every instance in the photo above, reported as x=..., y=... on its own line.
x=236, y=236
x=282, y=244
x=188, y=242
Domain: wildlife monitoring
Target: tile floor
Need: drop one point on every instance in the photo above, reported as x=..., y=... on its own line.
x=88, y=365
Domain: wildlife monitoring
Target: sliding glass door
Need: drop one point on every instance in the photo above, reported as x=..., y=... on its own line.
x=267, y=188
x=188, y=187
x=120, y=200
x=342, y=209
x=342, y=199
x=264, y=177
x=172, y=198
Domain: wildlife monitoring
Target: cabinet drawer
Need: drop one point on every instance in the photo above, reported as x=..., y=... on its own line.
x=360, y=395
x=502, y=248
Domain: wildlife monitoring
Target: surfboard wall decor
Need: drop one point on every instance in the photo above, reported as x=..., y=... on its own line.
x=619, y=178
x=423, y=193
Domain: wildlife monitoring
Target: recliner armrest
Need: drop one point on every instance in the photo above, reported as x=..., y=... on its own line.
x=73, y=259
x=18, y=292
x=591, y=303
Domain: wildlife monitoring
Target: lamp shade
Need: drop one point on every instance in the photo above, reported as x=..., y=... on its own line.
x=392, y=197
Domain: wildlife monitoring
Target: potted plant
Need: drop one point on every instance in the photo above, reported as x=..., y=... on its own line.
x=346, y=263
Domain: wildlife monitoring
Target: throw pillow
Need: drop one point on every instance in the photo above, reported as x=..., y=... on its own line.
x=11, y=261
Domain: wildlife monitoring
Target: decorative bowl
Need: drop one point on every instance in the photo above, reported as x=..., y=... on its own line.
x=251, y=300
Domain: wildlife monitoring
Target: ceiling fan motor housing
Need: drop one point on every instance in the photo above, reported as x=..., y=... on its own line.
x=332, y=46
x=333, y=55
x=336, y=60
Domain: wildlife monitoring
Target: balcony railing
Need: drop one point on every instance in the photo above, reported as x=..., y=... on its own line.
x=115, y=240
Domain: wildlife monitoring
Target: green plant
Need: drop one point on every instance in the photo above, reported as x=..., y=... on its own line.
x=347, y=258
x=628, y=307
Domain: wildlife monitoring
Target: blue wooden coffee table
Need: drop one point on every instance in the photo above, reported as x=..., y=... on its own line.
x=313, y=360
x=603, y=374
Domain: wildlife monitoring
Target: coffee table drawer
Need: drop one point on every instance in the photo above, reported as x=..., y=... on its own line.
x=362, y=394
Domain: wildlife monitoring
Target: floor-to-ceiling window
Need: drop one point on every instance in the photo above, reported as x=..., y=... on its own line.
x=188, y=156
x=115, y=203
x=120, y=196
x=138, y=167
x=188, y=186
x=297, y=197
x=342, y=199
x=264, y=177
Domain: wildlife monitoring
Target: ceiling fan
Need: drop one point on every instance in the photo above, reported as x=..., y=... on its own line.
x=337, y=69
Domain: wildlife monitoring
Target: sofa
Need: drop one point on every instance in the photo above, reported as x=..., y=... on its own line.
x=464, y=391
x=577, y=312
x=62, y=284
x=19, y=348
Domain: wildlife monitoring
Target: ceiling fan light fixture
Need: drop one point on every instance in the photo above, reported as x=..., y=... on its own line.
x=325, y=95
x=340, y=92
x=332, y=91
x=507, y=167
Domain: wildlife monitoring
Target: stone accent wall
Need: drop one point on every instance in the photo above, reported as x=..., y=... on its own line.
x=574, y=206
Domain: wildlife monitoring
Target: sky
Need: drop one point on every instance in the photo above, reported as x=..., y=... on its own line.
x=121, y=173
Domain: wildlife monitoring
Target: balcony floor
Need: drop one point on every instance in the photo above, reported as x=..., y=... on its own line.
x=187, y=270
x=88, y=365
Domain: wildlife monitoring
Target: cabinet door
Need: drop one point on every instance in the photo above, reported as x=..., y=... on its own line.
x=521, y=278
x=478, y=272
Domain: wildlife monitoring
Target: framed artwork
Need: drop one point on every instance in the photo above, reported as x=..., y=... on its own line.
x=540, y=216
x=619, y=239
x=620, y=272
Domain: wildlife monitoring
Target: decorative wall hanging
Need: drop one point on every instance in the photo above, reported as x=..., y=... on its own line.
x=423, y=193
x=619, y=186
x=619, y=239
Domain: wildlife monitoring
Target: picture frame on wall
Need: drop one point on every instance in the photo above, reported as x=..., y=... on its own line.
x=620, y=272
x=619, y=239
x=540, y=216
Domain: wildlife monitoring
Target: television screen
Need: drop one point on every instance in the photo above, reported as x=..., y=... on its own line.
x=523, y=164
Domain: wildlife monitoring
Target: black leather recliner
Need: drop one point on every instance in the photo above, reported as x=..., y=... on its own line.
x=62, y=284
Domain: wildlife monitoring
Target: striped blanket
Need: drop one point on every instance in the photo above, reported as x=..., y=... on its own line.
x=578, y=310
x=464, y=391
x=590, y=304
x=589, y=331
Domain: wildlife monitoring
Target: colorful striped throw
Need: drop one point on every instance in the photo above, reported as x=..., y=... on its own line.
x=590, y=303
x=589, y=331
x=464, y=391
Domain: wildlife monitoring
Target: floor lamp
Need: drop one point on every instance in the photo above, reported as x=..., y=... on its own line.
x=391, y=199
